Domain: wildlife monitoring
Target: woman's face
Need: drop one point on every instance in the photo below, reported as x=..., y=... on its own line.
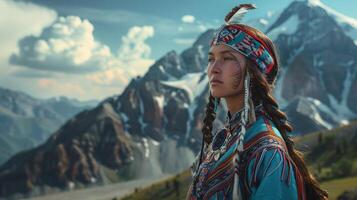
x=225, y=71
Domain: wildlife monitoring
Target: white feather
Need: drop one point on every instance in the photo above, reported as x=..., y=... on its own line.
x=237, y=17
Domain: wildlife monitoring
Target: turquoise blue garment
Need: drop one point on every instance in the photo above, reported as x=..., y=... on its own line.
x=266, y=170
x=271, y=186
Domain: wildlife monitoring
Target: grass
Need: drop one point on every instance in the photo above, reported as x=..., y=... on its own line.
x=326, y=155
x=337, y=186
x=164, y=189
x=159, y=191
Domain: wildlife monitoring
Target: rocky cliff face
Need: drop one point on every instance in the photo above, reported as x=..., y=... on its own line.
x=318, y=58
x=154, y=126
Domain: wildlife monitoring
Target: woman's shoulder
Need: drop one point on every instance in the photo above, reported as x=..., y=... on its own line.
x=265, y=158
x=261, y=127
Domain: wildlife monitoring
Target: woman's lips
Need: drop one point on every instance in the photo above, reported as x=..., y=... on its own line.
x=216, y=82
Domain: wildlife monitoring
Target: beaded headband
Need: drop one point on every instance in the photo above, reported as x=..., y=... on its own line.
x=237, y=37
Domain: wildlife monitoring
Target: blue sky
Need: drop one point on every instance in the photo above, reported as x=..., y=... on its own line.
x=115, y=16
x=88, y=49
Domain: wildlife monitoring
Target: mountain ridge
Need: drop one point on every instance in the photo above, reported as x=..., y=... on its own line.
x=154, y=125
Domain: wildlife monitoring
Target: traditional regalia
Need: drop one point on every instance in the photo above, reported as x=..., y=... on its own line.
x=247, y=158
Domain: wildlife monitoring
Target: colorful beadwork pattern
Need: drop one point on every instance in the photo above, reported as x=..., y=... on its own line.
x=245, y=43
x=265, y=163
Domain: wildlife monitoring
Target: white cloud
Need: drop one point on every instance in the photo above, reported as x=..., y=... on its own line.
x=133, y=56
x=196, y=27
x=17, y=20
x=65, y=44
x=133, y=44
x=188, y=19
x=68, y=45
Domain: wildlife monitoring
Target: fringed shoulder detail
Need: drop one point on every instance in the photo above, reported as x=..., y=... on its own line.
x=267, y=159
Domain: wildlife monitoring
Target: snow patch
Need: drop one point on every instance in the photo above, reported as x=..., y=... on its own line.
x=154, y=142
x=288, y=27
x=308, y=109
x=71, y=185
x=146, y=148
x=141, y=121
x=278, y=90
x=93, y=180
x=341, y=108
x=160, y=100
x=190, y=83
x=322, y=107
x=339, y=17
x=161, y=68
x=124, y=117
x=263, y=22
x=349, y=24
x=201, y=53
x=131, y=158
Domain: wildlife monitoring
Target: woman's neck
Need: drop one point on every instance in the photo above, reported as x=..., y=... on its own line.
x=234, y=103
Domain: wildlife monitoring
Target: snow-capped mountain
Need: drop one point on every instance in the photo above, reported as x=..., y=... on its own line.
x=348, y=24
x=318, y=57
x=264, y=22
x=154, y=126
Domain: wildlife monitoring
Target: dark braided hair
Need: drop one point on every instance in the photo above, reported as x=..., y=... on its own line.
x=262, y=87
x=208, y=123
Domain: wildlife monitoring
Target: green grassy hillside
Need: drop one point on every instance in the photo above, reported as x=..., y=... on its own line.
x=331, y=155
x=173, y=188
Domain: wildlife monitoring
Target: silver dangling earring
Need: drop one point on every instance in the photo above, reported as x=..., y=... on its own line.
x=237, y=194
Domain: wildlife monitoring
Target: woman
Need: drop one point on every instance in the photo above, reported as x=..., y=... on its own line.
x=252, y=157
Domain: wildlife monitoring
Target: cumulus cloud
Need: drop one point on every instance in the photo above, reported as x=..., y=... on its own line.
x=66, y=46
x=195, y=27
x=17, y=20
x=36, y=38
x=188, y=19
x=133, y=56
x=133, y=44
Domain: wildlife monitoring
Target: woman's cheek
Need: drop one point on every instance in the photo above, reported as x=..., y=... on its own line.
x=208, y=71
x=236, y=77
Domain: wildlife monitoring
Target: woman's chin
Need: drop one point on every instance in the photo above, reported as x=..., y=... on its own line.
x=216, y=94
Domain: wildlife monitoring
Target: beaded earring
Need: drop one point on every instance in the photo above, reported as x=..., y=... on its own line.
x=239, y=143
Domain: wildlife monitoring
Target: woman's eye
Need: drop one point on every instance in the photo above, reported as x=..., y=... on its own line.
x=210, y=59
x=227, y=58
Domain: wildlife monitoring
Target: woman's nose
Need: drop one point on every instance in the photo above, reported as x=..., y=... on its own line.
x=216, y=66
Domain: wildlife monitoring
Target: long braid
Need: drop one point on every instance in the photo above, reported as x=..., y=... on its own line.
x=262, y=90
x=208, y=123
